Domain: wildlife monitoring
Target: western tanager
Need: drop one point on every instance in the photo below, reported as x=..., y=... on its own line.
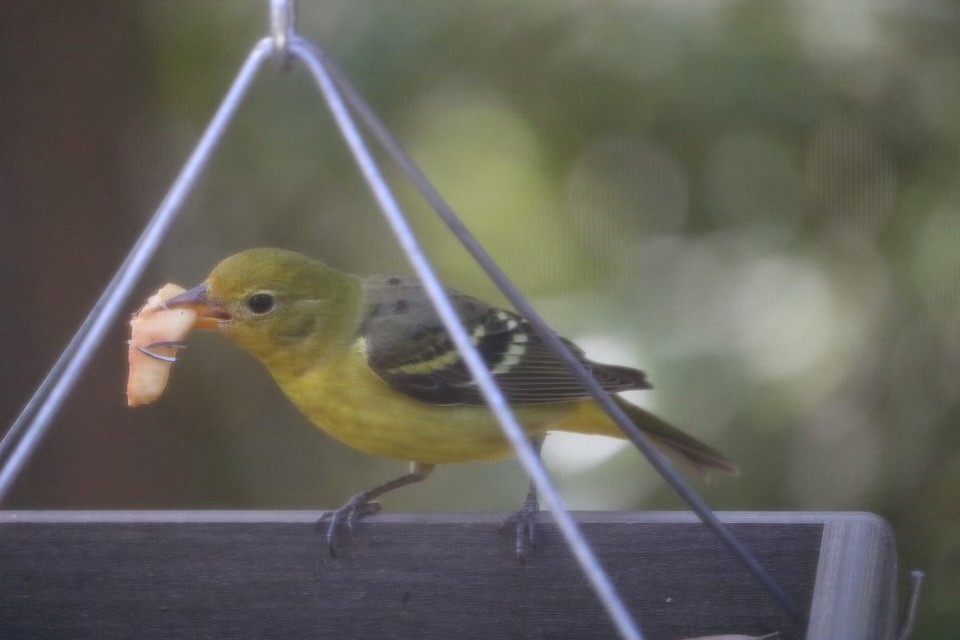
x=368, y=361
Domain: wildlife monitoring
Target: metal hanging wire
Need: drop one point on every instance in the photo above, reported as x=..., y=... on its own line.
x=659, y=461
x=33, y=422
x=31, y=425
x=584, y=555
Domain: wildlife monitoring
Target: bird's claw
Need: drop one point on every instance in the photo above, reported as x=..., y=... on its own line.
x=355, y=508
x=524, y=524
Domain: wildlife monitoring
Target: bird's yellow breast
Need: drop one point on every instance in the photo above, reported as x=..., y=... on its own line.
x=345, y=398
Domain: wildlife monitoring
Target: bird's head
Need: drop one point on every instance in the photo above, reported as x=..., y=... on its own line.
x=275, y=303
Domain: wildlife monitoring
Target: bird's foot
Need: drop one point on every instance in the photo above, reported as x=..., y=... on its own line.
x=524, y=524
x=355, y=508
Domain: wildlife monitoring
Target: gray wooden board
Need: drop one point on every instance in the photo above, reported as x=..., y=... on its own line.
x=260, y=575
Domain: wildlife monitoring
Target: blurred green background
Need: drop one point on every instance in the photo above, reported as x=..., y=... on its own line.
x=756, y=201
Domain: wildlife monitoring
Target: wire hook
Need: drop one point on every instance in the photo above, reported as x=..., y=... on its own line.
x=916, y=583
x=149, y=350
x=283, y=26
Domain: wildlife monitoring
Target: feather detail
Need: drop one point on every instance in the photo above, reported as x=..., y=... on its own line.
x=407, y=346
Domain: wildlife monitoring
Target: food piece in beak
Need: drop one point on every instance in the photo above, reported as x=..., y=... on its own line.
x=156, y=332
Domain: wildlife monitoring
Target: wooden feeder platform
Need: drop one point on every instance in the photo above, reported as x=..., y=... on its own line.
x=266, y=574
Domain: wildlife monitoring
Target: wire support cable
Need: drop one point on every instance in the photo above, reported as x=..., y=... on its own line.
x=31, y=425
x=494, y=397
x=658, y=460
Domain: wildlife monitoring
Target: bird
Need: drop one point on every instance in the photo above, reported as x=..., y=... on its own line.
x=368, y=361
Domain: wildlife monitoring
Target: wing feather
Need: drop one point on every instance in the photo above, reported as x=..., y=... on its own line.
x=407, y=346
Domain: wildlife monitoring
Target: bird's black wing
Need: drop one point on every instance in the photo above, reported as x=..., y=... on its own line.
x=407, y=346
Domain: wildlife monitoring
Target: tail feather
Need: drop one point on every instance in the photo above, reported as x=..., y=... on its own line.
x=680, y=447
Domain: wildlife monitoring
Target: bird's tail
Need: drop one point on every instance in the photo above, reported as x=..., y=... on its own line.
x=680, y=447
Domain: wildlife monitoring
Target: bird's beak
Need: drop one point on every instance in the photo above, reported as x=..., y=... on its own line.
x=210, y=312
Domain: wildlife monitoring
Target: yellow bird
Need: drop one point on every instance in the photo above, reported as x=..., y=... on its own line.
x=368, y=361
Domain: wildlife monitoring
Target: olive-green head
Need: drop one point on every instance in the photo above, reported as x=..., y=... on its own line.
x=277, y=304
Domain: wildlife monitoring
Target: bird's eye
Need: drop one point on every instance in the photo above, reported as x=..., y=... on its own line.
x=261, y=303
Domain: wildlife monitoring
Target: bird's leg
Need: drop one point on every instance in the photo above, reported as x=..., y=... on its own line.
x=526, y=518
x=363, y=504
